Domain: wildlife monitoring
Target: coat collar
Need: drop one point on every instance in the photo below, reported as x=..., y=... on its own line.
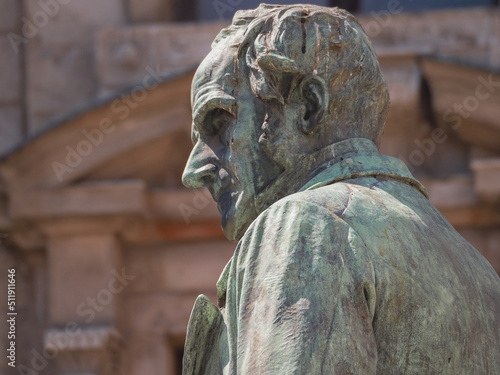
x=355, y=158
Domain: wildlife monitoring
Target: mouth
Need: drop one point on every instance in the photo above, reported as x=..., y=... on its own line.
x=224, y=201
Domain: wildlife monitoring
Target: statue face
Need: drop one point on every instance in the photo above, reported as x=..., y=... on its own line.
x=226, y=158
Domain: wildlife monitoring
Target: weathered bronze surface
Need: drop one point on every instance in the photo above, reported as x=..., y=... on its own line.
x=342, y=266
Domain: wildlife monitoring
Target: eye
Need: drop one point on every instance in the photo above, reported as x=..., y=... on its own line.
x=216, y=120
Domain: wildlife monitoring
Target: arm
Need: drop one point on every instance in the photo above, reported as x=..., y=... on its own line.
x=304, y=295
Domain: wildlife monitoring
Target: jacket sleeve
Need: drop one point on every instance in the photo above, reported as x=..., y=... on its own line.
x=303, y=296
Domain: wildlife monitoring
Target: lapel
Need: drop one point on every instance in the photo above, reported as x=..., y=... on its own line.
x=222, y=285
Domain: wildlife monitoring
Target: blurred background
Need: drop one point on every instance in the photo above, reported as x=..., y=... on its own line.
x=110, y=250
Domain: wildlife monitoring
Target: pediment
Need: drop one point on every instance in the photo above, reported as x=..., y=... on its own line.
x=141, y=134
x=465, y=99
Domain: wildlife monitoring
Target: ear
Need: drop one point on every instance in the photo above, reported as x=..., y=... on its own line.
x=314, y=96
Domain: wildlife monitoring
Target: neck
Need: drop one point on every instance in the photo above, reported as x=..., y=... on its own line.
x=294, y=178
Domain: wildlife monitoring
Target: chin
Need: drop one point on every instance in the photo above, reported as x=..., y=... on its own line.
x=232, y=231
x=230, y=234
x=237, y=218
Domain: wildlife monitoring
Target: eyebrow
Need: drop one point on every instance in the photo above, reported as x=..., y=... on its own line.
x=206, y=103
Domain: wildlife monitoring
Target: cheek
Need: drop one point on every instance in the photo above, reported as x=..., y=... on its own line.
x=270, y=135
x=243, y=153
x=243, y=138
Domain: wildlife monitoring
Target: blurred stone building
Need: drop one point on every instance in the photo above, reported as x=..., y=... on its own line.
x=110, y=251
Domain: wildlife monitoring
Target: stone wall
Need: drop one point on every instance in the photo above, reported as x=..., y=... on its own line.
x=48, y=69
x=60, y=69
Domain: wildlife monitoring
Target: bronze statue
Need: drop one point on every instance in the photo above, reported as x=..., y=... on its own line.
x=342, y=265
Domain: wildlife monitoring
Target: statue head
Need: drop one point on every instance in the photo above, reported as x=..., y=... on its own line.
x=280, y=84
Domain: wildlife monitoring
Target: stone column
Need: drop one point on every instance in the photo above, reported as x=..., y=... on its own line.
x=86, y=279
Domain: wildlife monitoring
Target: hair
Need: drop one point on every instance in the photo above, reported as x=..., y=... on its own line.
x=280, y=45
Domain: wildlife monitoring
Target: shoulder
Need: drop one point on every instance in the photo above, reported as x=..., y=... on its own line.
x=343, y=214
x=304, y=231
x=303, y=216
x=303, y=207
x=330, y=201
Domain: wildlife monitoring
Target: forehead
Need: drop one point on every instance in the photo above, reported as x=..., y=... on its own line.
x=216, y=84
x=217, y=71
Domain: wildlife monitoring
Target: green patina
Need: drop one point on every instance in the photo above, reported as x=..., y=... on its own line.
x=342, y=266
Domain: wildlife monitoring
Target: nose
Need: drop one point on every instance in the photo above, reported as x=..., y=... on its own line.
x=200, y=170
